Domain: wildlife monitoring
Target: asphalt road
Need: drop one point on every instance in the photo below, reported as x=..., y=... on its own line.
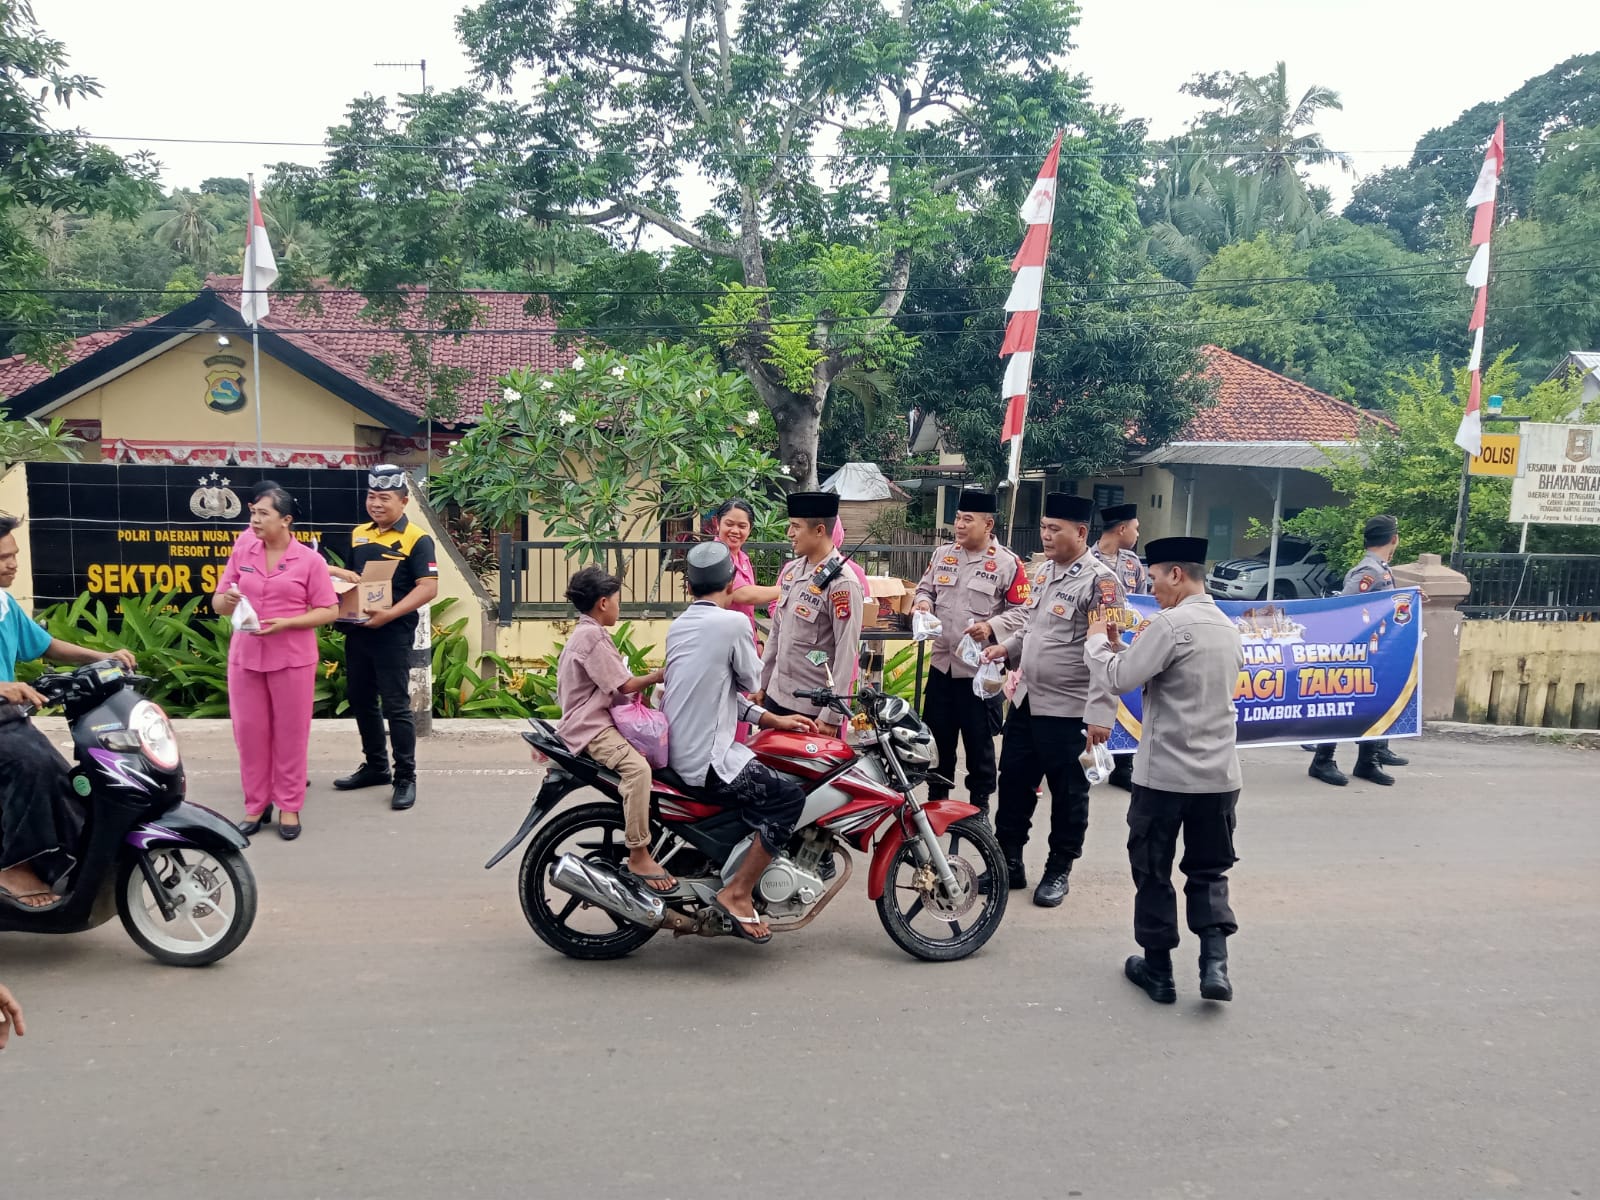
x=1416, y=1017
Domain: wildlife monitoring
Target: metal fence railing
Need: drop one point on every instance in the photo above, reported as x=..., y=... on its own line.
x=534, y=575
x=1531, y=587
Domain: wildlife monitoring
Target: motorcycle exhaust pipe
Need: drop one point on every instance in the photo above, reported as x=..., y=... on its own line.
x=604, y=888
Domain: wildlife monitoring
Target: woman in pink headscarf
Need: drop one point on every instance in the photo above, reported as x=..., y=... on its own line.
x=735, y=521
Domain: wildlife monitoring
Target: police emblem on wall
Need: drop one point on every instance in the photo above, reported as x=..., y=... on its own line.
x=214, y=499
x=1580, y=445
x=225, y=383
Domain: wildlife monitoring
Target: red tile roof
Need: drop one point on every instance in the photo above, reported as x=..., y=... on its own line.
x=504, y=337
x=1258, y=405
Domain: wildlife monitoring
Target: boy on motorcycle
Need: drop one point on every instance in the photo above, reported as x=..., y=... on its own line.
x=38, y=825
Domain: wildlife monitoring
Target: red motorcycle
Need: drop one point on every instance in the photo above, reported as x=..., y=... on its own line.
x=937, y=873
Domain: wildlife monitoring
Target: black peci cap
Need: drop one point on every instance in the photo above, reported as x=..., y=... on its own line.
x=1380, y=530
x=1175, y=550
x=1119, y=513
x=814, y=506
x=709, y=564
x=974, y=501
x=1064, y=506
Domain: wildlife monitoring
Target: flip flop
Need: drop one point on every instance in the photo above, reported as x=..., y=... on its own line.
x=22, y=898
x=664, y=876
x=740, y=923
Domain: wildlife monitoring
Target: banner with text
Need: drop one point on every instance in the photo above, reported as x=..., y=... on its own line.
x=1347, y=668
x=1559, y=482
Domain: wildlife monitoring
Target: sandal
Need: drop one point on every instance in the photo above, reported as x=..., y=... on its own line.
x=21, y=898
x=740, y=924
x=648, y=879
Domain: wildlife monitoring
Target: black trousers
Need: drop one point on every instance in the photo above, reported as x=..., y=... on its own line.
x=1366, y=752
x=377, y=665
x=769, y=803
x=953, y=710
x=1206, y=820
x=39, y=822
x=1036, y=749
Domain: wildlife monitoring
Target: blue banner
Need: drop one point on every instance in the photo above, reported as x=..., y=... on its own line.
x=1344, y=669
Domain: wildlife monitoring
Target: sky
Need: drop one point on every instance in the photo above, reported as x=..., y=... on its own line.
x=1402, y=66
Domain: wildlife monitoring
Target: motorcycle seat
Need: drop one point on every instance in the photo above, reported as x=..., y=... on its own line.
x=671, y=778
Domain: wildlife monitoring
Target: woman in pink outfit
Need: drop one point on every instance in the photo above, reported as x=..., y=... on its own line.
x=272, y=672
x=734, y=522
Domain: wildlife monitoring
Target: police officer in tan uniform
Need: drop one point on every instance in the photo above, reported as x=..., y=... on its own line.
x=820, y=608
x=970, y=579
x=1118, y=536
x=1381, y=537
x=1186, y=779
x=1058, y=708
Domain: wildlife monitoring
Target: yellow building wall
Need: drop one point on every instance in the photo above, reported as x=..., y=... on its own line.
x=1530, y=673
x=164, y=399
x=14, y=502
x=525, y=642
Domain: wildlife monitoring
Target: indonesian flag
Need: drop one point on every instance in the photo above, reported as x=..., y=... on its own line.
x=1470, y=434
x=260, y=267
x=1024, y=302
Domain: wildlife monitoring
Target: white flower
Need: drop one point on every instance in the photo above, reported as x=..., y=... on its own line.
x=565, y=417
x=545, y=385
x=510, y=394
x=752, y=417
x=577, y=363
x=783, y=470
x=616, y=372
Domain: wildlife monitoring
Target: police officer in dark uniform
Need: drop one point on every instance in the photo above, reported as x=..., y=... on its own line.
x=1381, y=537
x=378, y=647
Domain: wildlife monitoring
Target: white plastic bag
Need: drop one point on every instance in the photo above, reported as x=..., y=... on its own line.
x=990, y=680
x=925, y=626
x=244, y=617
x=968, y=651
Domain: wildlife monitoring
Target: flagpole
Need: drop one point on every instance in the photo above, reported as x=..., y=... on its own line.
x=255, y=326
x=1015, y=474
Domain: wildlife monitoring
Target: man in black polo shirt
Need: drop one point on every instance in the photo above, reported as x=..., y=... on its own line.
x=377, y=651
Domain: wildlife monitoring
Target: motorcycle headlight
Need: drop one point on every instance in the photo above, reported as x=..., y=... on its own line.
x=156, y=738
x=914, y=747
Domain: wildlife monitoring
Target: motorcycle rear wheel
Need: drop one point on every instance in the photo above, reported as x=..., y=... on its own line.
x=215, y=895
x=917, y=927
x=595, y=833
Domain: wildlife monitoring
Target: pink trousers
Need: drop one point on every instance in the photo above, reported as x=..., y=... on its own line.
x=271, y=728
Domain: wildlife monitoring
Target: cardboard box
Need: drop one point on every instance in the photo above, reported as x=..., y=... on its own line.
x=894, y=599
x=374, y=591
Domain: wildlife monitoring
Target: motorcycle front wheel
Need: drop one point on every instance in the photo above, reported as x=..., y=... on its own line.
x=213, y=893
x=593, y=832
x=926, y=923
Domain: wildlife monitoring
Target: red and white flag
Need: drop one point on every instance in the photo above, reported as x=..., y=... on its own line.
x=1470, y=434
x=1024, y=303
x=260, y=267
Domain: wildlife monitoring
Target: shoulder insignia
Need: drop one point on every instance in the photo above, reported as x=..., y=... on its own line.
x=841, y=604
x=950, y=560
x=1366, y=583
x=991, y=565
x=1108, y=592
x=1074, y=569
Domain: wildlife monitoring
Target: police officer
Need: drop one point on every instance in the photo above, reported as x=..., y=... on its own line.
x=819, y=609
x=377, y=649
x=1381, y=537
x=970, y=579
x=1118, y=536
x=1186, y=771
x=1058, y=709
x=1115, y=547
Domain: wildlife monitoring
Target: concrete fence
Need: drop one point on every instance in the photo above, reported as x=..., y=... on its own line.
x=1544, y=673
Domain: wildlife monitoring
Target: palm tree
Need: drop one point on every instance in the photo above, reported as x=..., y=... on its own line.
x=293, y=237
x=182, y=223
x=1271, y=134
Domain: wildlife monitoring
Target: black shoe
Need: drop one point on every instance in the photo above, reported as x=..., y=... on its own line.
x=289, y=832
x=1052, y=889
x=1122, y=774
x=405, y=794
x=366, y=775
x=1156, y=981
x=1214, y=984
x=1373, y=773
x=1328, y=771
x=1017, y=873
x=252, y=825
x=1386, y=757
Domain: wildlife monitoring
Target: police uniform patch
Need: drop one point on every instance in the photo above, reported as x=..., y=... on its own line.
x=804, y=611
x=950, y=560
x=991, y=565
x=841, y=605
x=1059, y=610
x=1074, y=569
x=1366, y=583
x=944, y=580
x=1108, y=592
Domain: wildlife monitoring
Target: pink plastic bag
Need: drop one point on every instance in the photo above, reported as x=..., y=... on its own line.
x=643, y=728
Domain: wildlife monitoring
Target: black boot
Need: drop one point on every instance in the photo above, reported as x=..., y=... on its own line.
x=1328, y=771
x=1214, y=983
x=366, y=775
x=1122, y=774
x=981, y=802
x=1016, y=872
x=1386, y=757
x=1154, y=977
x=1053, y=887
x=1369, y=770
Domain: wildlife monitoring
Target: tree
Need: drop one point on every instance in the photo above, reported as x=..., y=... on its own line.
x=611, y=447
x=225, y=185
x=29, y=440
x=1414, y=470
x=1417, y=199
x=183, y=225
x=852, y=131
x=44, y=172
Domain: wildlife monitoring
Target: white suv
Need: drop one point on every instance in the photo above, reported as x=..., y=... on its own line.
x=1302, y=574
